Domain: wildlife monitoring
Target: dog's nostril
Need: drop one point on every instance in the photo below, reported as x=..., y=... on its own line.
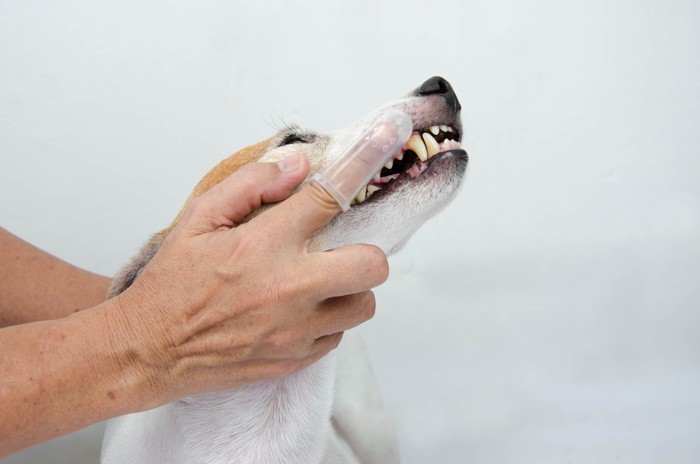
x=439, y=86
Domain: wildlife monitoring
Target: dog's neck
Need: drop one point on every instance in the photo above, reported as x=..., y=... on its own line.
x=279, y=421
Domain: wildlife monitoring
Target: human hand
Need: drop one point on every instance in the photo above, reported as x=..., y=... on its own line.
x=226, y=303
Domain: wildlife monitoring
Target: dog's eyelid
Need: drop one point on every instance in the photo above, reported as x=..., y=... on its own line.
x=296, y=137
x=291, y=139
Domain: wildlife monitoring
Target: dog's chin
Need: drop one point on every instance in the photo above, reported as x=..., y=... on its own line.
x=391, y=216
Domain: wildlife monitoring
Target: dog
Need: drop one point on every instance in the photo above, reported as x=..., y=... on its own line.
x=331, y=411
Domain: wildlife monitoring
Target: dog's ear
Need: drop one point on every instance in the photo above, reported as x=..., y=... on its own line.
x=128, y=274
x=222, y=170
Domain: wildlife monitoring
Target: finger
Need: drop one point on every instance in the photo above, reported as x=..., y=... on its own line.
x=229, y=202
x=322, y=346
x=301, y=215
x=365, y=157
x=276, y=368
x=346, y=270
x=344, y=313
x=336, y=185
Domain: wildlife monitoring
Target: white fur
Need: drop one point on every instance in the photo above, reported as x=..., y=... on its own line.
x=330, y=412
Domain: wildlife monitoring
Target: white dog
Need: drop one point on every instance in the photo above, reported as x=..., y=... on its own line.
x=329, y=412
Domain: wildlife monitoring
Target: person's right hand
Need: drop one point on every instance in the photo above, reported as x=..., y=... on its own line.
x=225, y=303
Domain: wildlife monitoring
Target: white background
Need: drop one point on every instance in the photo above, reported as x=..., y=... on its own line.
x=549, y=315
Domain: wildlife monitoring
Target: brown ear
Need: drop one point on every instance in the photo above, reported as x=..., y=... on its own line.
x=221, y=171
x=228, y=166
x=225, y=168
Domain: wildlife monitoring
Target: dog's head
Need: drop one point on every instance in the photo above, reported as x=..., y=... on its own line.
x=422, y=177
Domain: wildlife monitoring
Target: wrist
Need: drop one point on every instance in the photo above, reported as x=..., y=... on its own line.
x=120, y=350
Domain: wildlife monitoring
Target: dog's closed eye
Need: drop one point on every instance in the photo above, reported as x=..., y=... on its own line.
x=294, y=135
x=291, y=139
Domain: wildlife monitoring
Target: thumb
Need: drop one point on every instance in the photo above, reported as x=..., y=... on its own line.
x=307, y=211
x=228, y=203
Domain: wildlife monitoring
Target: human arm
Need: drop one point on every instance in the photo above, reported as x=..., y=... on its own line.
x=221, y=305
x=35, y=285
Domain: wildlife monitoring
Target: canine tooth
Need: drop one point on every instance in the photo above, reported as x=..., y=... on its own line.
x=431, y=144
x=416, y=144
x=389, y=164
x=435, y=130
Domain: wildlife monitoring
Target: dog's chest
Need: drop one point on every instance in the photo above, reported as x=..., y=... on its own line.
x=285, y=420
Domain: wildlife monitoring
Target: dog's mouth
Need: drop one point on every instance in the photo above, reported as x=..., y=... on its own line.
x=424, y=147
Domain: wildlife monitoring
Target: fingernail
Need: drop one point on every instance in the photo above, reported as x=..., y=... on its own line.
x=290, y=164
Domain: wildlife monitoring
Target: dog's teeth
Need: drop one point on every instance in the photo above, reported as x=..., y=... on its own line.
x=389, y=164
x=361, y=195
x=435, y=130
x=446, y=128
x=400, y=155
x=371, y=189
x=431, y=144
x=416, y=144
x=377, y=176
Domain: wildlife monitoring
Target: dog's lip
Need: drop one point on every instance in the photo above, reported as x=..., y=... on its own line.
x=405, y=177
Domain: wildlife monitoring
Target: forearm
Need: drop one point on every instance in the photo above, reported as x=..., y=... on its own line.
x=59, y=376
x=35, y=285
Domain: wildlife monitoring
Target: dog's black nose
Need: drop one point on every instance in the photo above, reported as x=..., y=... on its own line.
x=439, y=86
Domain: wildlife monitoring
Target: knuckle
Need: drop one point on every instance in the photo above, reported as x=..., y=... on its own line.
x=252, y=169
x=327, y=344
x=284, y=292
x=337, y=338
x=286, y=367
x=319, y=196
x=282, y=343
x=378, y=264
x=302, y=288
x=369, y=305
x=197, y=205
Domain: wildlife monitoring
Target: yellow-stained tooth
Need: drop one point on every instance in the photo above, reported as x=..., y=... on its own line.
x=371, y=189
x=416, y=144
x=362, y=194
x=389, y=164
x=431, y=144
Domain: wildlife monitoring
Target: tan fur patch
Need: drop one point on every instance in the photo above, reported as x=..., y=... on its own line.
x=220, y=172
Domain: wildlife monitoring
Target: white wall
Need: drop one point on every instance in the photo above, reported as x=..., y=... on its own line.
x=549, y=315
